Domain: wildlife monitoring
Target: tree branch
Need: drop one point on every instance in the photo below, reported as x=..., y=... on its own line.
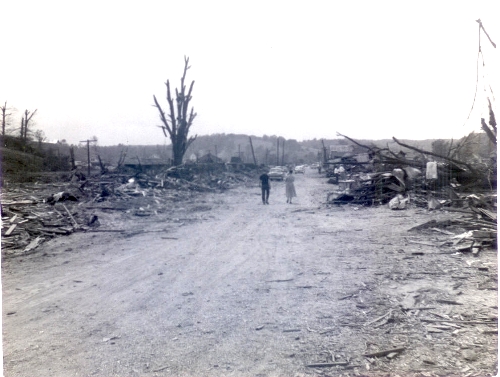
x=190, y=140
x=186, y=100
x=162, y=117
x=358, y=144
x=492, y=121
x=455, y=162
x=489, y=132
x=173, y=121
x=31, y=116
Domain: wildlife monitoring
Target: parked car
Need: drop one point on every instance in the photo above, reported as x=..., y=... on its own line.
x=299, y=169
x=277, y=174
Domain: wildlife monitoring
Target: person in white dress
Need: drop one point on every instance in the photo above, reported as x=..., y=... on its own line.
x=290, y=187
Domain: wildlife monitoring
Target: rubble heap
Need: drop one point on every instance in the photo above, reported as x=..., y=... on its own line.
x=35, y=212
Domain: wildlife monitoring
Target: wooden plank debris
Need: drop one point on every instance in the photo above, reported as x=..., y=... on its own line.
x=33, y=244
x=71, y=216
x=10, y=230
x=420, y=308
x=443, y=231
x=422, y=243
x=19, y=202
x=160, y=369
x=60, y=231
x=327, y=365
x=449, y=302
x=379, y=318
x=346, y=297
x=107, y=230
x=459, y=321
x=384, y=353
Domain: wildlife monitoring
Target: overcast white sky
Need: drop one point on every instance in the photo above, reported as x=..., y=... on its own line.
x=297, y=69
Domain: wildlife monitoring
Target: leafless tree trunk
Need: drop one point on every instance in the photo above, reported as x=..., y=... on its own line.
x=491, y=132
x=25, y=120
x=179, y=121
x=3, y=109
x=21, y=136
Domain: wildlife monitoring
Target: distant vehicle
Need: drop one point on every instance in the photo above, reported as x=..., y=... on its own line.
x=315, y=165
x=276, y=173
x=299, y=169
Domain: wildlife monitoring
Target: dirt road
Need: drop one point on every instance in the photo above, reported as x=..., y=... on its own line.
x=226, y=286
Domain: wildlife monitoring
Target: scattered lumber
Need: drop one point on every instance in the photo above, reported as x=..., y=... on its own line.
x=379, y=188
x=11, y=229
x=449, y=302
x=327, y=365
x=458, y=321
x=379, y=318
x=33, y=244
x=384, y=353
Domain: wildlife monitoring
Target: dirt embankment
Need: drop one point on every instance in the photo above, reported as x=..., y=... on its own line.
x=225, y=286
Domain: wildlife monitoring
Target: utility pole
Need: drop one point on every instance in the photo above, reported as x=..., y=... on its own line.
x=88, y=155
x=278, y=151
x=88, y=159
x=324, y=150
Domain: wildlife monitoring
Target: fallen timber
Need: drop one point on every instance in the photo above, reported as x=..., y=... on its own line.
x=35, y=213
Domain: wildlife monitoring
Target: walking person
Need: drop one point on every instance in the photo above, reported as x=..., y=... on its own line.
x=265, y=186
x=290, y=187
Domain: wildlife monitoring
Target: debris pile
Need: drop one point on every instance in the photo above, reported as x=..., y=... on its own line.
x=35, y=212
x=425, y=175
x=467, y=190
x=376, y=188
x=476, y=224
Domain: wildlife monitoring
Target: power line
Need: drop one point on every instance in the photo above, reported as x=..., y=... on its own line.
x=480, y=54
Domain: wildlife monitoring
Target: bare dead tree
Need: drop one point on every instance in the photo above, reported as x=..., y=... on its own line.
x=491, y=132
x=180, y=119
x=25, y=120
x=5, y=116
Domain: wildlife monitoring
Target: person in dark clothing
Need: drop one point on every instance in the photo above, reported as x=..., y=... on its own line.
x=265, y=187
